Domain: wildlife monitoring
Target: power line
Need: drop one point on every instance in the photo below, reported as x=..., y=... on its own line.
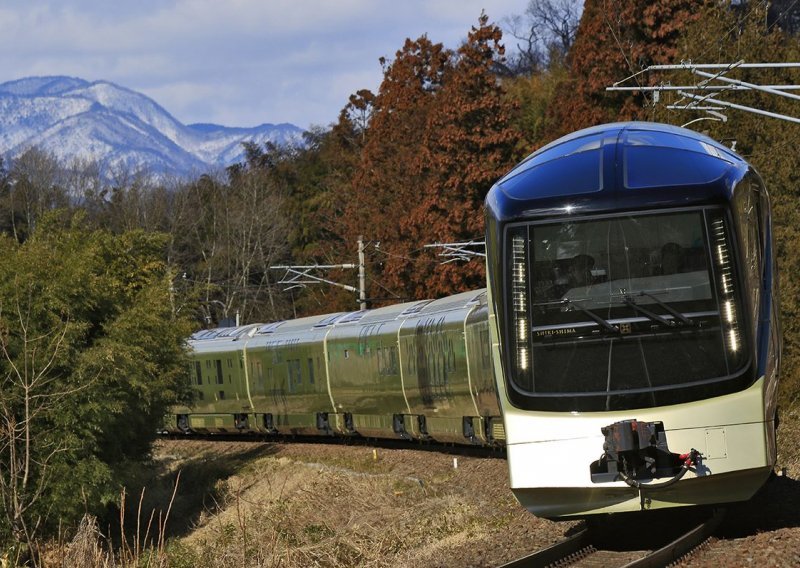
x=710, y=88
x=300, y=276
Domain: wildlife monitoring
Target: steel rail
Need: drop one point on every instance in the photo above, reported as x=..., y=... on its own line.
x=582, y=545
x=680, y=546
x=560, y=551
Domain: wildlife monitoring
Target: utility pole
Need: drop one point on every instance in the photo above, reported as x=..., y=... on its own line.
x=362, y=277
x=300, y=276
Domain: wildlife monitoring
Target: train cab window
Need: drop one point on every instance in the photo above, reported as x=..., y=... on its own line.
x=198, y=372
x=220, y=378
x=623, y=312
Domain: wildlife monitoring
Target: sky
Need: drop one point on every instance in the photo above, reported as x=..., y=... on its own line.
x=231, y=62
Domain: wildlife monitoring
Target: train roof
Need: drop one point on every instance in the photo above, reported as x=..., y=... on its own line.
x=216, y=338
x=627, y=165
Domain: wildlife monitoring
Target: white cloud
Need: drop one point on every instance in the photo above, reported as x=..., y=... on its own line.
x=237, y=62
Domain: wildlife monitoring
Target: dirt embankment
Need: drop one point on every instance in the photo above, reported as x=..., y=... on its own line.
x=261, y=504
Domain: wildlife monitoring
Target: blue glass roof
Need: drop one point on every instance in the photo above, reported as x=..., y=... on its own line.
x=614, y=166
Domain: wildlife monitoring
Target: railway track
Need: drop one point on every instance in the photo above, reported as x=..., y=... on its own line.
x=384, y=443
x=591, y=547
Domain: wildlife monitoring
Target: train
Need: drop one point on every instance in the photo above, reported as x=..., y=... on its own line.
x=625, y=352
x=418, y=371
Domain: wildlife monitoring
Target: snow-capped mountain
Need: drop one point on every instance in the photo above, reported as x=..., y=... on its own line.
x=117, y=127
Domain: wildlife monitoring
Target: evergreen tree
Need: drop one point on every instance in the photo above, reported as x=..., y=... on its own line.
x=389, y=177
x=469, y=143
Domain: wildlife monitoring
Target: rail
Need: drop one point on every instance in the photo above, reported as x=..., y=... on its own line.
x=584, y=549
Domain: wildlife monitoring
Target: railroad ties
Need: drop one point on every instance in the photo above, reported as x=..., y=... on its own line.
x=595, y=547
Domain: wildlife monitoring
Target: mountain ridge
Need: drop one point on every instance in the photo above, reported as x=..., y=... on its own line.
x=118, y=127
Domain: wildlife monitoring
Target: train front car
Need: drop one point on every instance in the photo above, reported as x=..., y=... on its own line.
x=634, y=322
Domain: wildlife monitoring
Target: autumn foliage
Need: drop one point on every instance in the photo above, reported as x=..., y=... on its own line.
x=616, y=39
x=439, y=135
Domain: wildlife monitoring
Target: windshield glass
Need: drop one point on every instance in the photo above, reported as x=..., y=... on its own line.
x=623, y=309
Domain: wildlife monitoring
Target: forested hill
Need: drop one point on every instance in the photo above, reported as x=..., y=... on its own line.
x=119, y=128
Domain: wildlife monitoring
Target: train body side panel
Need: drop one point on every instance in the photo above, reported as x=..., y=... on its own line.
x=364, y=372
x=287, y=380
x=436, y=373
x=480, y=362
x=219, y=382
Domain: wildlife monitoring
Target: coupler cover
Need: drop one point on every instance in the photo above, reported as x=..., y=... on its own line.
x=635, y=450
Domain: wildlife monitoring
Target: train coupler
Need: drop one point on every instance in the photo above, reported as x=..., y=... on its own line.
x=635, y=451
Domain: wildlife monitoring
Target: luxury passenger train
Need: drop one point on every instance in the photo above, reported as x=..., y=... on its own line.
x=635, y=322
x=626, y=351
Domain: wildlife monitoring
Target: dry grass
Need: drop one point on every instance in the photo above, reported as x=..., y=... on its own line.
x=311, y=505
x=293, y=505
x=311, y=514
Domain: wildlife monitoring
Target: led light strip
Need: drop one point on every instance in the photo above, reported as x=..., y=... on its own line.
x=728, y=317
x=519, y=299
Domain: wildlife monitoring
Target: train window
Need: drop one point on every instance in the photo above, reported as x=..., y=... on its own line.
x=387, y=360
x=311, y=370
x=295, y=374
x=220, y=378
x=582, y=156
x=451, y=357
x=362, y=340
x=411, y=356
x=257, y=372
x=198, y=371
x=200, y=395
x=485, y=348
x=393, y=365
x=346, y=353
x=221, y=395
x=208, y=363
x=623, y=312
